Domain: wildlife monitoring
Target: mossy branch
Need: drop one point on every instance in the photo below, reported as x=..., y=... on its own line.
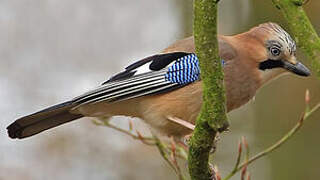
x=212, y=118
x=302, y=30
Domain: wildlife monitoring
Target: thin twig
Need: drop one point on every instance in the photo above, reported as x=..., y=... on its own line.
x=164, y=149
x=275, y=146
x=174, y=158
x=137, y=137
x=182, y=152
x=149, y=142
x=246, y=145
x=243, y=172
x=238, y=158
x=161, y=147
x=248, y=176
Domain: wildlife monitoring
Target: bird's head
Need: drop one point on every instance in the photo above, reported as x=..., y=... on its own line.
x=278, y=50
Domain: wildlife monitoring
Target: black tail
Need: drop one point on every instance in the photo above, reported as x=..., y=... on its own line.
x=42, y=120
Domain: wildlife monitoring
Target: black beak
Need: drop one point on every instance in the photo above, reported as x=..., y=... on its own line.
x=297, y=68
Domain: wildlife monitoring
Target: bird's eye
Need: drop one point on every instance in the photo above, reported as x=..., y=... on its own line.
x=275, y=51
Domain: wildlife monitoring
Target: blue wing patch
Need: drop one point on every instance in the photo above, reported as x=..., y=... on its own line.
x=185, y=70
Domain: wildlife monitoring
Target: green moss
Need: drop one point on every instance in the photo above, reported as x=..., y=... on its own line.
x=200, y=146
x=205, y=32
x=301, y=28
x=212, y=118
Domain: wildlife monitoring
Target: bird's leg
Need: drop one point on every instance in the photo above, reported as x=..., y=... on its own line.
x=181, y=122
x=190, y=126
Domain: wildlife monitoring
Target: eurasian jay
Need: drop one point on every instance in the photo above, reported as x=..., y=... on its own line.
x=168, y=84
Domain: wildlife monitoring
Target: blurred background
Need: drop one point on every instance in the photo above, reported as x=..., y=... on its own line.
x=53, y=50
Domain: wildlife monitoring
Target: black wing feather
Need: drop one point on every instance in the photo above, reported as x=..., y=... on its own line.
x=163, y=60
x=159, y=62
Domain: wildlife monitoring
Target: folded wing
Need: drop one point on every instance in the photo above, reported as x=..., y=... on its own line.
x=152, y=75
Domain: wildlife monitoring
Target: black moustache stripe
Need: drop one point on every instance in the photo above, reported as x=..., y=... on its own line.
x=270, y=64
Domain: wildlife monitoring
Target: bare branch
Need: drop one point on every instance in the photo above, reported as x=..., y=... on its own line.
x=275, y=146
x=165, y=150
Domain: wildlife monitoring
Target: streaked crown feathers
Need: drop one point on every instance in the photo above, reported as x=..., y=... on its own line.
x=277, y=33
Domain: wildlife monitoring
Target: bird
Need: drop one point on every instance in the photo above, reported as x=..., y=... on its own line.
x=168, y=84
